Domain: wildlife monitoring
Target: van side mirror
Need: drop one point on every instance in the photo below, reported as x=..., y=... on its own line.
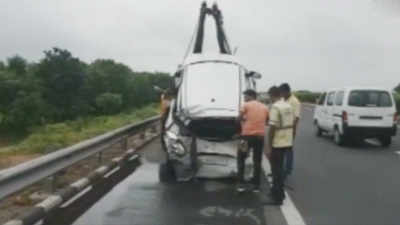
x=254, y=74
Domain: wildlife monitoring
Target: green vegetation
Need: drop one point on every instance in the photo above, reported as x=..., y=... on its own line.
x=52, y=137
x=61, y=87
x=397, y=99
x=61, y=100
x=307, y=96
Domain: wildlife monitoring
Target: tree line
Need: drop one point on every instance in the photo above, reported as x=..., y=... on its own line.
x=61, y=87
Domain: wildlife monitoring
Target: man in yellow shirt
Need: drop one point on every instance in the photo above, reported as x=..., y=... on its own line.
x=281, y=121
x=295, y=104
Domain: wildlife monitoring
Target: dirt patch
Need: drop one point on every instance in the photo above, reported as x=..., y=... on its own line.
x=7, y=161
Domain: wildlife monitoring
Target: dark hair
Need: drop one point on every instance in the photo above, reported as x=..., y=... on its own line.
x=284, y=87
x=274, y=91
x=251, y=93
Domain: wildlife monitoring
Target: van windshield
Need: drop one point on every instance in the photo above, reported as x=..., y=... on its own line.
x=368, y=98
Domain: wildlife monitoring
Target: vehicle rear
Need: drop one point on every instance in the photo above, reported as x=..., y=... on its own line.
x=211, y=101
x=370, y=113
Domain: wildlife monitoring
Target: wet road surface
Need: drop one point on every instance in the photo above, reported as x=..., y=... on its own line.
x=141, y=199
x=357, y=184
x=352, y=185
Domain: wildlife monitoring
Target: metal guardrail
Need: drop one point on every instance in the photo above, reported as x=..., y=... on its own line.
x=21, y=176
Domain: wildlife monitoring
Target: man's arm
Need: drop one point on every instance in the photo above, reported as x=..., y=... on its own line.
x=296, y=121
x=297, y=109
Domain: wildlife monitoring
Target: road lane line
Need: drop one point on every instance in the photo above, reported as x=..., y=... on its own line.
x=289, y=210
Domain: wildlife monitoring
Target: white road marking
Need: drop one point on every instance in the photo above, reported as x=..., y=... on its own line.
x=289, y=210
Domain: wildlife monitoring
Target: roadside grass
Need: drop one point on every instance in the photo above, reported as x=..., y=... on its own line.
x=52, y=137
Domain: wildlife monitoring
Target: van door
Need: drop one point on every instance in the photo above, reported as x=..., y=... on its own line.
x=329, y=111
x=318, y=115
x=337, y=116
x=370, y=108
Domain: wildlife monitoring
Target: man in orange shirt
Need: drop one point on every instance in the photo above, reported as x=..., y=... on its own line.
x=253, y=116
x=165, y=104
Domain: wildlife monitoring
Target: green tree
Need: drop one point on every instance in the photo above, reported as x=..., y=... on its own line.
x=2, y=65
x=397, y=88
x=17, y=64
x=109, y=103
x=63, y=78
x=27, y=110
x=107, y=76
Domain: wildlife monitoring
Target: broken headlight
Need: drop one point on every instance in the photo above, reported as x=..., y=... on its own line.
x=175, y=145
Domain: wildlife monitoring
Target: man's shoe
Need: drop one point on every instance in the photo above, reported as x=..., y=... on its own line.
x=241, y=188
x=255, y=189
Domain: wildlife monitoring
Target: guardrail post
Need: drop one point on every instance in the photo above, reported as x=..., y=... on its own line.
x=100, y=157
x=125, y=143
x=143, y=134
x=154, y=129
x=54, y=181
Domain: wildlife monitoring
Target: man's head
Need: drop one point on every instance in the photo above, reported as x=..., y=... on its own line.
x=250, y=95
x=274, y=93
x=285, y=90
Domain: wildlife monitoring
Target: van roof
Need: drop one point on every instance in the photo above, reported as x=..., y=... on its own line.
x=199, y=58
x=349, y=88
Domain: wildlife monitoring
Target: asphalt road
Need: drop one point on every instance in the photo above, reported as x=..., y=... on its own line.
x=357, y=184
x=141, y=199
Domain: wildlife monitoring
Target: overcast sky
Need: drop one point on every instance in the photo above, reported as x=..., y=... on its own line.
x=312, y=44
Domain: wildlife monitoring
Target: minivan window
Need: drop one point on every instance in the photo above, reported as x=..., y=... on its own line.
x=330, y=98
x=321, y=99
x=339, y=98
x=369, y=98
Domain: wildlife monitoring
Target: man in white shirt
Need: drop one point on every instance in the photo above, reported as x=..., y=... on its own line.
x=295, y=104
x=281, y=119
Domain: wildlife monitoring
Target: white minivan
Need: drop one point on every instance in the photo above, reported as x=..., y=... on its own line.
x=356, y=113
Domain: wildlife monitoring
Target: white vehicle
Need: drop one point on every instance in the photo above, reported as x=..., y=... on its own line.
x=201, y=131
x=356, y=113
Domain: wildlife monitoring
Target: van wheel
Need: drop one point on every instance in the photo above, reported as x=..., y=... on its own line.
x=166, y=172
x=338, y=138
x=317, y=129
x=385, y=141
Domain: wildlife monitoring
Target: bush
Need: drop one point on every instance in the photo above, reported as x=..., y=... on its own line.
x=109, y=103
x=397, y=100
x=52, y=137
x=26, y=111
x=307, y=96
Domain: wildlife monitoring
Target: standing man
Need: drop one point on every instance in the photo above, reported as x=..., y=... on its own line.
x=295, y=104
x=281, y=118
x=253, y=117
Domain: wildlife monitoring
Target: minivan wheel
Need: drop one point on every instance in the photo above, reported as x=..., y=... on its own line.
x=385, y=140
x=318, y=130
x=338, y=138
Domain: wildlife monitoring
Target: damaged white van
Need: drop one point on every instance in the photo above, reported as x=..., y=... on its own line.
x=201, y=131
x=201, y=137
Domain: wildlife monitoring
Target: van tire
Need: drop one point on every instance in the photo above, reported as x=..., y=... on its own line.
x=166, y=172
x=318, y=130
x=338, y=138
x=386, y=141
